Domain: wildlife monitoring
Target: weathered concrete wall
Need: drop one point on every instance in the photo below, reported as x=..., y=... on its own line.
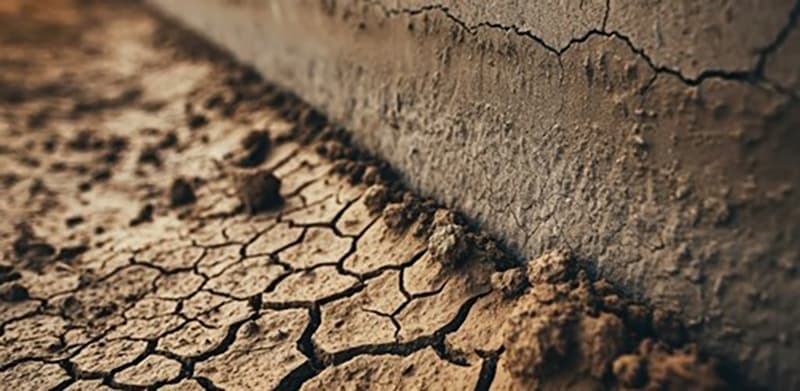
x=657, y=139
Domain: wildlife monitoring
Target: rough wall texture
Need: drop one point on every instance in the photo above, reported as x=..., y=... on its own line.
x=657, y=139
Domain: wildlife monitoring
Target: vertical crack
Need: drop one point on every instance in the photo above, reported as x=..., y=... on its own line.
x=305, y=344
x=488, y=370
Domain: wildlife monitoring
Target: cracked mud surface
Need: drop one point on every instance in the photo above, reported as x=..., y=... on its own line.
x=173, y=222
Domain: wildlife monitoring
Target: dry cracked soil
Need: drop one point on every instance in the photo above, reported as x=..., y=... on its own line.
x=170, y=220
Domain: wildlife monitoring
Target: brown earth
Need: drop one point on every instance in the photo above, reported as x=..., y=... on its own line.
x=172, y=221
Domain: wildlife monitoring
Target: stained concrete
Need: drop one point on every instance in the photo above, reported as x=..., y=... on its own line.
x=657, y=140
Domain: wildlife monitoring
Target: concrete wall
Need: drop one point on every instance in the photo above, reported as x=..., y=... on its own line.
x=660, y=140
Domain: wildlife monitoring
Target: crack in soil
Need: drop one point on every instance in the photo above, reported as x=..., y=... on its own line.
x=204, y=286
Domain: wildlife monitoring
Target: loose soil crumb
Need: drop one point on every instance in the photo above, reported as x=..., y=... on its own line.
x=259, y=191
x=654, y=366
x=14, y=293
x=181, y=193
x=376, y=198
x=150, y=155
x=448, y=244
x=255, y=146
x=394, y=215
x=511, y=283
x=562, y=334
x=197, y=121
x=336, y=276
x=145, y=215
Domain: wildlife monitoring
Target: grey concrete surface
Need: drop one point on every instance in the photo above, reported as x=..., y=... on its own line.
x=658, y=140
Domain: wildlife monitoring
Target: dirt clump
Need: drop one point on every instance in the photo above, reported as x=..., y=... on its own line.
x=372, y=175
x=601, y=339
x=654, y=366
x=537, y=342
x=71, y=307
x=395, y=216
x=336, y=150
x=487, y=250
x=375, y=198
x=116, y=145
x=181, y=193
x=85, y=140
x=569, y=331
x=14, y=293
x=259, y=191
x=101, y=175
x=69, y=253
x=510, y=283
x=552, y=267
x=145, y=215
x=150, y=155
x=353, y=170
x=32, y=251
x=8, y=274
x=197, y=121
x=312, y=119
x=630, y=370
x=447, y=242
x=255, y=148
x=170, y=140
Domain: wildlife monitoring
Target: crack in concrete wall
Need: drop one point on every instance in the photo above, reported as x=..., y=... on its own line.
x=754, y=73
x=753, y=76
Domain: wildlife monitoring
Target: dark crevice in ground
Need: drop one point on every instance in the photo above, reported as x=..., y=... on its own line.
x=320, y=360
x=488, y=369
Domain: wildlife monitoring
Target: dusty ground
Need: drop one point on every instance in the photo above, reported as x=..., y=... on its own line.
x=172, y=221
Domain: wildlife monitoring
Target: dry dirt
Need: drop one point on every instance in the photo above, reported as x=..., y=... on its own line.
x=172, y=221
